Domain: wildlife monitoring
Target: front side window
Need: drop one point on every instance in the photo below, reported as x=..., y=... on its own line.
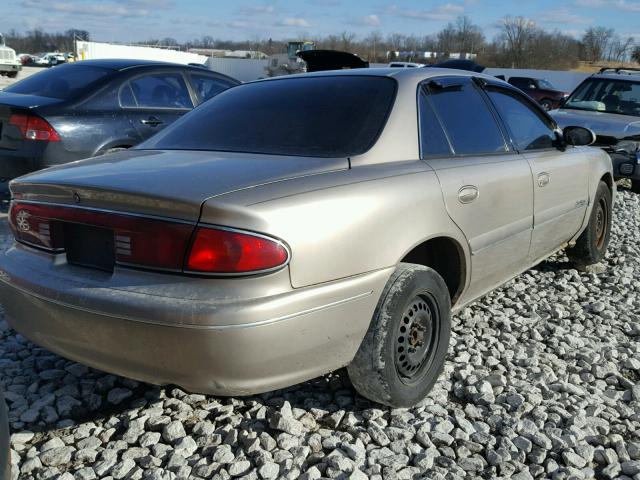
x=470, y=125
x=161, y=90
x=606, y=95
x=546, y=84
x=329, y=116
x=528, y=130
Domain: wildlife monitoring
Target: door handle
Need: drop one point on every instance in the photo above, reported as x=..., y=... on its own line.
x=468, y=194
x=151, y=121
x=543, y=179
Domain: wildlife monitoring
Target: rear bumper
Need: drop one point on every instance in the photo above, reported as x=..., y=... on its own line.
x=226, y=347
x=14, y=163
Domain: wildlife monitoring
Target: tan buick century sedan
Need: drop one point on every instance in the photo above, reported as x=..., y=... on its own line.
x=293, y=226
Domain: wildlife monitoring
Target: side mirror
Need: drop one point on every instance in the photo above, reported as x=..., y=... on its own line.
x=578, y=136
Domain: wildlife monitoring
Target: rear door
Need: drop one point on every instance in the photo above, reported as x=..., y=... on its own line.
x=560, y=177
x=487, y=186
x=155, y=100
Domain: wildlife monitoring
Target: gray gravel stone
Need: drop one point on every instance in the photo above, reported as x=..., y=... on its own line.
x=173, y=431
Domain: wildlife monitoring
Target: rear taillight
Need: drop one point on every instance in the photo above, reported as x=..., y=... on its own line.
x=150, y=242
x=224, y=251
x=33, y=127
x=138, y=241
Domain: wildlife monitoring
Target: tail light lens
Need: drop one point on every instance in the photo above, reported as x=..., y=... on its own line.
x=228, y=251
x=152, y=243
x=33, y=127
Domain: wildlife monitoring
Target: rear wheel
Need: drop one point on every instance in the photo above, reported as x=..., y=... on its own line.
x=591, y=245
x=12, y=74
x=404, y=349
x=635, y=186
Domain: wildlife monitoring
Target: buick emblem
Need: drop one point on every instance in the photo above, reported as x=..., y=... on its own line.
x=76, y=197
x=22, y=220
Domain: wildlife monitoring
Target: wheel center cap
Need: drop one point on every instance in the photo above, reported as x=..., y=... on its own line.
x=416, y=337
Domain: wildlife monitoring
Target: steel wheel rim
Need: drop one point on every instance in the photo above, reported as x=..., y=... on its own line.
x=601, y=223
x=416, y=338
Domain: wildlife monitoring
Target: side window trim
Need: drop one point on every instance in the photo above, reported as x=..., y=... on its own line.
x=423, y=91
x=160, y=72
x=506, y=137
x=535, y=109
x=124, y=85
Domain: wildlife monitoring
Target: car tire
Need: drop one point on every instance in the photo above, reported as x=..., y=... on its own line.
x=591, y=245
x=12, y=74
x=404, y=349
x=635, y=186
x=546, y=104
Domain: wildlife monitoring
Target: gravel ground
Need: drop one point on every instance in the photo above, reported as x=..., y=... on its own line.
x=541, y=382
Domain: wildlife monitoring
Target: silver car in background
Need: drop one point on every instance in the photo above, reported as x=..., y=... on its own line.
x=296, y=225
x=608, y=103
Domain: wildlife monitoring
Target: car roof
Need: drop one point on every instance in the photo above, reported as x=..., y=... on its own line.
x=407, y=74
x=631, y=74
x=122, y=64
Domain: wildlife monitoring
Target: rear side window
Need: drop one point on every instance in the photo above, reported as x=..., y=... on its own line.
x=161, y=90
x=470, y=125
x=433, y=140
x=528, y=130
x=64, y=82
x=332, y=116
x=208, y=87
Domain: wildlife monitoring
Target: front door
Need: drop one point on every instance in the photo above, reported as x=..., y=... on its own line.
x=560, y=178
x=487, y=187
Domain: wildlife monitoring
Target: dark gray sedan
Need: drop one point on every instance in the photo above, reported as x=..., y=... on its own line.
x=89, y=108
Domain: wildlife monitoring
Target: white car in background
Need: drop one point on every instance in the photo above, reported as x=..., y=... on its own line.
x=51, y=59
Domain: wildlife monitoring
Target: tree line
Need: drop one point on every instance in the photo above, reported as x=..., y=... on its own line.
x=519, y=43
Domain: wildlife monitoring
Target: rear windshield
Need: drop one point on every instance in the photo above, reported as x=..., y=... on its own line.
x=338, y=116
x=64, y=82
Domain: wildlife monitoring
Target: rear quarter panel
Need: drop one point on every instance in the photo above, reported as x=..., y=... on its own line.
x=89, y=133
x=341, y=224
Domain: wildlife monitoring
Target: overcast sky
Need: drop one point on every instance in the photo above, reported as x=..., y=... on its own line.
x=135, y=20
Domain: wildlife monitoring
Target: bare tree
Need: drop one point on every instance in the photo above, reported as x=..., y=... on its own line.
x=516, y=34
x=618, y=49
x=635, y=55
x=596, y=42
x=469, y=37
x=346, y=39
x=374, y=43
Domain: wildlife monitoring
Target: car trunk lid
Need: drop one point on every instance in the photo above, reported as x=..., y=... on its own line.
x=169, y=184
